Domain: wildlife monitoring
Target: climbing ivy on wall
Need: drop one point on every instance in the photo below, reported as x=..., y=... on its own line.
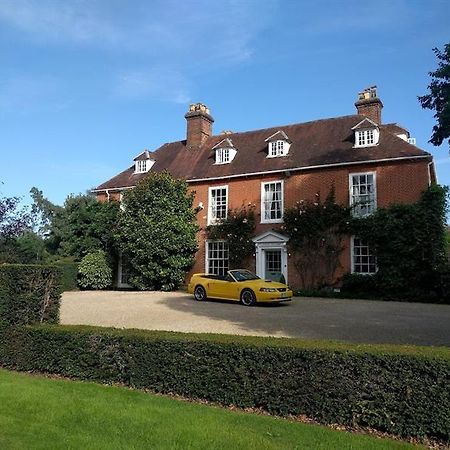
x=238, y=230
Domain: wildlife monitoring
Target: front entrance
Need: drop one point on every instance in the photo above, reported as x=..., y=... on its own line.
x=272, y=264
x=271, y=256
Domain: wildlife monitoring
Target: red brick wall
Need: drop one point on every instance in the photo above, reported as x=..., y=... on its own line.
x=396, y=183
x=199, y=128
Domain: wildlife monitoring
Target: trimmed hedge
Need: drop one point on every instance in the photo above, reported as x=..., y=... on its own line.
x=29, y=294
x=399, y=389
x=69, y=275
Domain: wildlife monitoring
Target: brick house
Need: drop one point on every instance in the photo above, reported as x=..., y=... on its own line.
x=370, y=164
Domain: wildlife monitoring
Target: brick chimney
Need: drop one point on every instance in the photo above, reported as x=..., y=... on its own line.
x=199, y=125
x=369, y=105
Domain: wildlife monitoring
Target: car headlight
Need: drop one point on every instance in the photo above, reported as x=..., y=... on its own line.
x=267, y=290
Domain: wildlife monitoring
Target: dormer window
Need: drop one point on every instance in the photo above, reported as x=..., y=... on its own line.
x=367, y=133
x=222, y=155
x=143, y=162
x=277, y=148
x=365, y=137
x=224, y=151
x=141, y=166
x=278, y=144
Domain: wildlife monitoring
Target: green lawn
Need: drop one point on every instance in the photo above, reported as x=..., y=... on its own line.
x=39, y=413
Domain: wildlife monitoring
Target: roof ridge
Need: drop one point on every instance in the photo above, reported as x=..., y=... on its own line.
x=286, y=125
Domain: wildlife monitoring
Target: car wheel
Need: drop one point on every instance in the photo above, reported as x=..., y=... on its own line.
x=199, y=293
x=248, y=297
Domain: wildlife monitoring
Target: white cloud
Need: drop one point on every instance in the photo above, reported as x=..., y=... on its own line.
x=76, y=21
x=196, y=30
x=161, y=45
x=163, y=84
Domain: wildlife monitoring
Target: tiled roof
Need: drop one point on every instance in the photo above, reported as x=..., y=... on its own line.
x=317, y=143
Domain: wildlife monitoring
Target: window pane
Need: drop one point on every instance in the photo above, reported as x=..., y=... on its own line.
x=272, y=202
x=217, y=260
x=362, y=194
x=364, y=261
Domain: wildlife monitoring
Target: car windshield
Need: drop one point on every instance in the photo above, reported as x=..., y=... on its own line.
x=243, y=275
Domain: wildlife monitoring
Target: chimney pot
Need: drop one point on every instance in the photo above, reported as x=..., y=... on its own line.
x=369, y=105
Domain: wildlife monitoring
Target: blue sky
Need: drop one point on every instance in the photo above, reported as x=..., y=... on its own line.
x=85, y=85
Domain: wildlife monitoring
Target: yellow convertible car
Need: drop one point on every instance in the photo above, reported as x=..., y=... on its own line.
x=239, y=285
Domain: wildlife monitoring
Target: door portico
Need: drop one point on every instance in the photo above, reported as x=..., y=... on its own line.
x=271, y=255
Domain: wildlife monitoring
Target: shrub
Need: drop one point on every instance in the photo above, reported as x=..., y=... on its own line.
x=316, y=230
x=94, y=271
x=409, y=242
x=355, y=285
x=29, y=294
x=69, y=273
x=237, y=230
x=398, y=389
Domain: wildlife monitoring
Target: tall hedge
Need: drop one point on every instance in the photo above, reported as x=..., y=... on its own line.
x=409, y=243
x=401, y=390
x=29, y=294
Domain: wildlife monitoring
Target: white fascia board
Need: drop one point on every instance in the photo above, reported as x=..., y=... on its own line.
x=372, y=123
x=295, y=169
x=274, y=134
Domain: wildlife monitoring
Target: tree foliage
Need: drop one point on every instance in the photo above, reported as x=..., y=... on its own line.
x=316, y=231
x=237, y=229
x=157, y=232
x=14, y=220
x=409, y=243
x=438, y=98
x=80, y=226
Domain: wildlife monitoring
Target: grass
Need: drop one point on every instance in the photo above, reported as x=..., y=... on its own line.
x=41, y=413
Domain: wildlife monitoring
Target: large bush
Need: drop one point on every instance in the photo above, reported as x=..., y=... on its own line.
x=157, y=232
x=409, y=242
x=94, y=271
x=29, y=294
x=398, y=389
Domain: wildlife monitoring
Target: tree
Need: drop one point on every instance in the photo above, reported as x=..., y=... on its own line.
x=14, y=220
x=80, y=226
x=439, y=97
x=157, y=232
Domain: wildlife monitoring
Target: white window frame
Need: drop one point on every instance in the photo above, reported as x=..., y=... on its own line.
x=263, y=209
x=363, y=136
x=350, y=191
x=211, y=219
x=141, y=166
x=207, y=259
x=223, y=155
x=278, y=148
x=352, y=257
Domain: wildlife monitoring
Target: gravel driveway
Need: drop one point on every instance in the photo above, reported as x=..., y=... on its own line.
x=311, y=318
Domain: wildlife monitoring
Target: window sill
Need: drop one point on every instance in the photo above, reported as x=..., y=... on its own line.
x=273, y=221
x=365, y=146
x=277, y=156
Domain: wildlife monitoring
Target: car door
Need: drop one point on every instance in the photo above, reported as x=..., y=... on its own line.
x=222, y=288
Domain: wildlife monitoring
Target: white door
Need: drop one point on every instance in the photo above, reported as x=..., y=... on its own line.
x=271, y=256
x=273, y=269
